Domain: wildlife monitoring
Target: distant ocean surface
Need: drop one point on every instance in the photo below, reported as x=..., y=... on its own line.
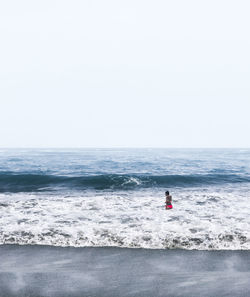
x=115, y=197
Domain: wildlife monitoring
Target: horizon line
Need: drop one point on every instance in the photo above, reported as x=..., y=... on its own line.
x=124, y=147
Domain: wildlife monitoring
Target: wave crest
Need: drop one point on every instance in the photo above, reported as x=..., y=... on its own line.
x=13, y=182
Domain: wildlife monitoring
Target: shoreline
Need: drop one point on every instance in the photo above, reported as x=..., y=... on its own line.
x=3, y=245
x=40, y=270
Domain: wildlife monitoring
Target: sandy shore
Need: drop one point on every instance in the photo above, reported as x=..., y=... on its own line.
x=54, y=271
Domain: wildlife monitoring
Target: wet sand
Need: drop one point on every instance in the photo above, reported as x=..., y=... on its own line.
x=56, y=271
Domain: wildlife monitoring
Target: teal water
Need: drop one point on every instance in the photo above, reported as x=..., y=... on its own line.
x=115, y=197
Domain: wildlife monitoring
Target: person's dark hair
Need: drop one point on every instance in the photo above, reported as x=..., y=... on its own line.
x=167, y=193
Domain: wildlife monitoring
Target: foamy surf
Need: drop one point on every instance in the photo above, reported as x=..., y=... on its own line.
x=199, y=220
x=115, y=198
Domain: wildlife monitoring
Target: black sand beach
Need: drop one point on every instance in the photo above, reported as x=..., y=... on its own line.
x=56, y=271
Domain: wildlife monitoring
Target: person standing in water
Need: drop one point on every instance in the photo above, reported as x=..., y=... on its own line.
x=168, y=200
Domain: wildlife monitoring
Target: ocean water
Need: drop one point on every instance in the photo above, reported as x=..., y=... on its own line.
x=115, y=198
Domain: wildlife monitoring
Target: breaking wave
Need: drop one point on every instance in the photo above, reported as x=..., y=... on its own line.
x=13, y=182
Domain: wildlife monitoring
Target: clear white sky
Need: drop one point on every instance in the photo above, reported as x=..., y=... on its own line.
x=124, y=73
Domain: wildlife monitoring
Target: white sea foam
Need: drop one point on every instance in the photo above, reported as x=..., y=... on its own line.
x=199, y=220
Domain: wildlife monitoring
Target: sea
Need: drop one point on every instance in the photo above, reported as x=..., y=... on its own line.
x=116, y=198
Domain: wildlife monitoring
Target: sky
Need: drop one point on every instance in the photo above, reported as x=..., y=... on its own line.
x=132, y=73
